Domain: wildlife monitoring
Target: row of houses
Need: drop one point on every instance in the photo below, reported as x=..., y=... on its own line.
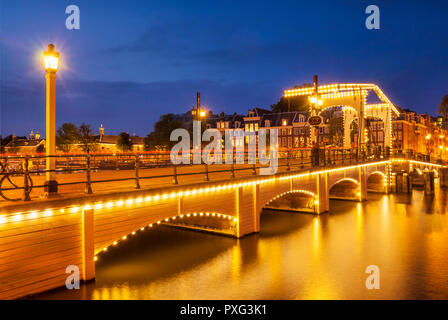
x=102, y=143
x=411, y=133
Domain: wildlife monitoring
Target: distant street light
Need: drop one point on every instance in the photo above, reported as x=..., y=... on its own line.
x=51, y=62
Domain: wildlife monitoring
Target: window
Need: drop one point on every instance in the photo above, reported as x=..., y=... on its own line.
x=296, y=131
x=289, y=142
x=256, y=126
x=267, y=123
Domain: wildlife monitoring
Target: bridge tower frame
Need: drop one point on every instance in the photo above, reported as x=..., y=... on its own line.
x=353, y=96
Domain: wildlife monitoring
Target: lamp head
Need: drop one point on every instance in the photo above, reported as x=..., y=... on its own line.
x=51, y=59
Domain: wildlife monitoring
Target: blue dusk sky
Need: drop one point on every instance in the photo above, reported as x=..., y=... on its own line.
x=132, y=61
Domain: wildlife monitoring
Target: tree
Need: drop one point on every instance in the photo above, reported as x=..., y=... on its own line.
x=86, y=138
x=443, y=108
x=124, y=142
x=40, y=148
x=159, y=139
x=67, y=135
x=299, y=103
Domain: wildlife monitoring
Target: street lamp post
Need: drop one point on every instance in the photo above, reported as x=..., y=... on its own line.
x=51, y=62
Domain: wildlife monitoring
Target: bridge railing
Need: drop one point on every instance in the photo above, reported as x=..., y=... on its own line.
x=20, y=175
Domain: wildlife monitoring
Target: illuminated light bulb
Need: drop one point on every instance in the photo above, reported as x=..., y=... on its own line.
x=87, y=207
x=48, y=213
x=207, y=214
x=158, y=222
x=213, y=214
x=95, y=258
x=201, y=214
x=167, y=219
x=148, y=198
x=2, y=219
x=139, y=200
x=187, y=193
x=235, y=220
x=142, y=228
x=194, y=214
x=98, y=206
x=109, y=204
x=133, y=232
x=188, y=214
x=62, y=210
x=33, y=215
x=157, y=197
x=219, y=215
x=181, y=215
x=150, y=225
x=115, y=243
x=229, y=217
x=173, y=195
x=165, y=196
x=124, y=238
x=120, y=203
x=74, y=209
x=105, y=249
x=130, y=201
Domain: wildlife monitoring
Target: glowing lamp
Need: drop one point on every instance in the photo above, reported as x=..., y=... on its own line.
x=202, y=114
x=51, y=59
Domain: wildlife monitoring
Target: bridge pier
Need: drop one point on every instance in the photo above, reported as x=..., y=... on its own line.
x=322, y=203
x=444, y=177
x=429, y=182
x=403, y=182
x=247, y=209
x=88, y=245
x=362, y=179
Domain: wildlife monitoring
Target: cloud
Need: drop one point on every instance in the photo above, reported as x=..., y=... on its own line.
x=123, y=106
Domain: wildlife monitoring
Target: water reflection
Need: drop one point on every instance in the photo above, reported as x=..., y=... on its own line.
x=295, y=256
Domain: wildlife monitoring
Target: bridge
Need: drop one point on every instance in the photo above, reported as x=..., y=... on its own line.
x=39, y=240
x=101, y=206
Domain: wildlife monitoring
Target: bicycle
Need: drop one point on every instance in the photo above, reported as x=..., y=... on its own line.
x=9, y=184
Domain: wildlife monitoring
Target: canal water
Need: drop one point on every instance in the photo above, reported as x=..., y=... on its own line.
x=295, y=256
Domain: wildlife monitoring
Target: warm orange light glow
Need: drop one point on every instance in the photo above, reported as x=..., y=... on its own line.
x=51, y=59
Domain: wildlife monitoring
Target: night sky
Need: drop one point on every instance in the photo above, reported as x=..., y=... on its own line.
x=133, y=61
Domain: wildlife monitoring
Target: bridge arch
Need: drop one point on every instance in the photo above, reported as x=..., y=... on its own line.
x=377, y=182
x=294, y=200
x=177, y=220
x=345, y=189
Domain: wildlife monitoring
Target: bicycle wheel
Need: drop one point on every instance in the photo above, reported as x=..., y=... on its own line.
x=11, y=187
